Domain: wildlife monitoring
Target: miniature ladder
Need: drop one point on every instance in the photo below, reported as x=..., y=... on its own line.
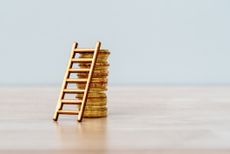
x=67, y=79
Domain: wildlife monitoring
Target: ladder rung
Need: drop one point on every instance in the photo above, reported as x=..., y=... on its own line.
x=71, y=101
x=79, y=91
x=79, y=70
x=82, y=60
x=84, y=50
x=67, y=112
x=87, y=61
x=76, y=80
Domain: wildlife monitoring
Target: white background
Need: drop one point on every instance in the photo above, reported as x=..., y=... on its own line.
x=151, y=42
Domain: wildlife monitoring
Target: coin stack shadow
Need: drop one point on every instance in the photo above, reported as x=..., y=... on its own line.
x=97, y=98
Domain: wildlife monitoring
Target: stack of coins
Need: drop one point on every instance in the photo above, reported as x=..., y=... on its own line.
x=97, y=99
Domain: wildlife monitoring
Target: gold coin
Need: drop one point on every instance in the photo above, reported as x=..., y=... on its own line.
x=90, y=107
x=96, y=65
x=93, y=89
x=93, y=85
x=96, y=74
x=99, y=75
x=90, y=55
x=93, y=95
x=95, y=114
x=100, y=59
x=96, y=68
x=95, y=108
x=101, y=53
x=96, y=101
x=101, y=80
x=102, y=103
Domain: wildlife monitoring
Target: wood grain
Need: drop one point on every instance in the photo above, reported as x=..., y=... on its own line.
x=142, y=119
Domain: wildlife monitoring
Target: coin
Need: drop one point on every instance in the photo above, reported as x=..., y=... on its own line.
x=97, y=99
x=96, y=74
x=98, y=66
x=95, y=114
x=93, y=95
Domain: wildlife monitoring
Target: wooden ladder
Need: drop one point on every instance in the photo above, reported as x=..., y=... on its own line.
x=67, y=80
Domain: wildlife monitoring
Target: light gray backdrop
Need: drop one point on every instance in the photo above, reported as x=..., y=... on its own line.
x=152, y=42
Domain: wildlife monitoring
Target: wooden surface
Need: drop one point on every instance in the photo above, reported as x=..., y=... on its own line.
x=155, y=119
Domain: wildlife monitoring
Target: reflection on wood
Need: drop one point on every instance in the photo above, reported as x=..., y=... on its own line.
x=156, y=120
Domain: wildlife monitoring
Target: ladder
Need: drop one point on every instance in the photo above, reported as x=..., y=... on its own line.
x=70, y=69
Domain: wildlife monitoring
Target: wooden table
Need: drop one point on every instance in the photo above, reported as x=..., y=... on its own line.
x=142, y=119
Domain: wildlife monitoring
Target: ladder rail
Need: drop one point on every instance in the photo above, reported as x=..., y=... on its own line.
x=90, y=75
x=64, y=88
x=64, y=83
